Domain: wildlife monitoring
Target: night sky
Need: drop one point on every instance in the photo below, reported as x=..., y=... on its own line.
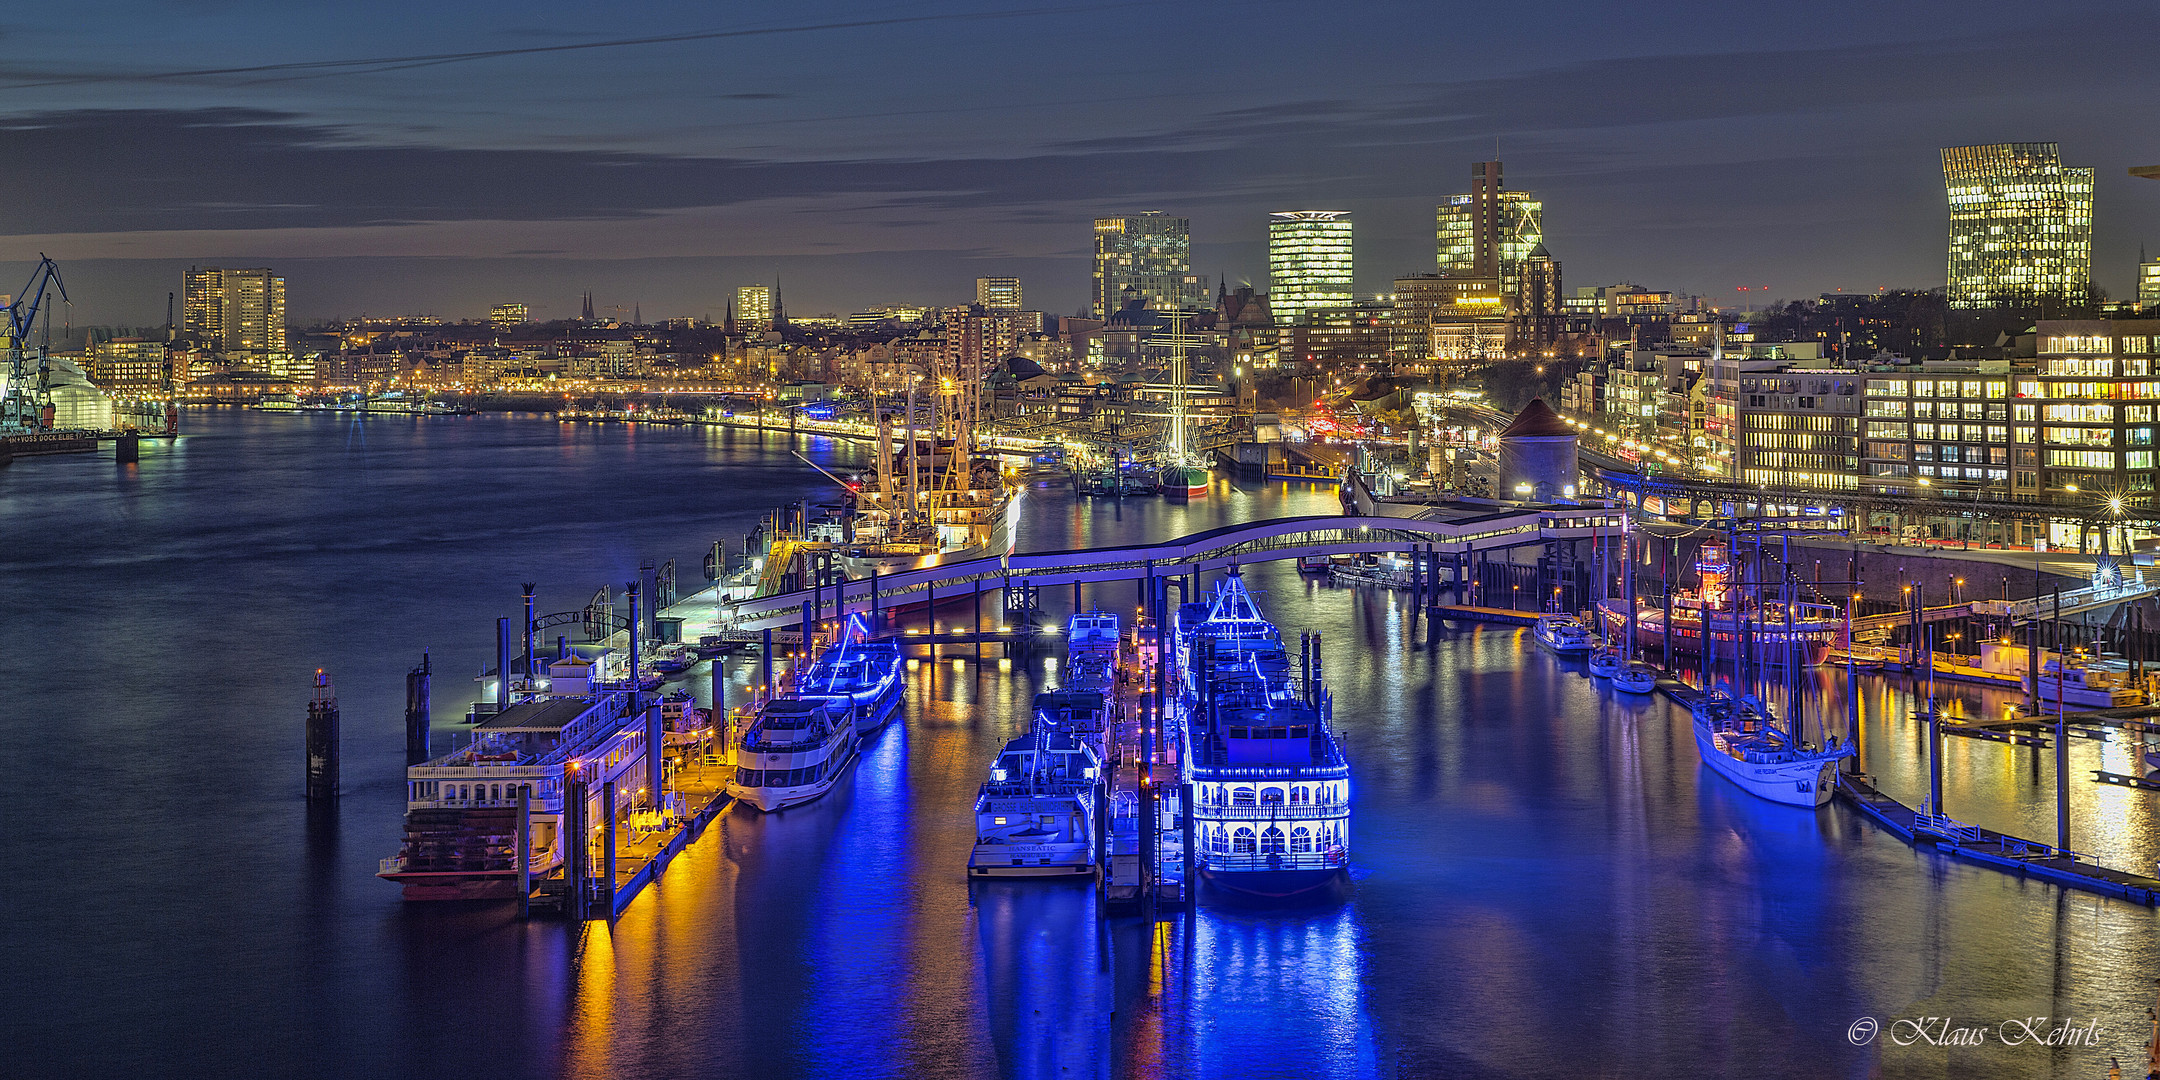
x=890, y=152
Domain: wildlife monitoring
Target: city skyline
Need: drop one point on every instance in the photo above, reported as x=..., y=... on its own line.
x=796, y=146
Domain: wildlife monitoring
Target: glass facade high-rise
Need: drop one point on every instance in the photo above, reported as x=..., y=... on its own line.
x=998, y=293
x=239, y=314
x=505, y=317
x=754, y=308
x=1308, y=263
x=1488, y=231
x=1145, y=257
x=2149, y=285
x=2020, y=225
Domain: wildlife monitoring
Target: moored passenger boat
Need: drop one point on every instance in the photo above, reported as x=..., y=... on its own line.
x=858, y=678
x=1738, y=741
x=792, y=751
x=1564, y=635
x=461, y=808
x=1271, y=786
x=1035, y=816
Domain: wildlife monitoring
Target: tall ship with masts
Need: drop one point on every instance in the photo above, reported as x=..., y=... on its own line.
x=1775, y=628
x=1183, y=474
x=934, y=500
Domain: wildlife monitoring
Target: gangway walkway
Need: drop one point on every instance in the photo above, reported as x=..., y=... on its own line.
x=1257, y=541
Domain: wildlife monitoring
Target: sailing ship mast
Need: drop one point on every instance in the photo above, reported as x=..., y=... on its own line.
x=1178, y=378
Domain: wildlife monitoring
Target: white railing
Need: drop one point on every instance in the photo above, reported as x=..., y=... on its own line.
x=1284, y=811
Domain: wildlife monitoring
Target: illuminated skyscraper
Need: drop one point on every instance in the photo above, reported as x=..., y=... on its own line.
x=2020, y=225
x=238, y=314
x=998, y=293
x=2149, y=285
x=1488, y=231
x=506, y=316
x=1145, y=257
x=1308, y=262
x=754, y=308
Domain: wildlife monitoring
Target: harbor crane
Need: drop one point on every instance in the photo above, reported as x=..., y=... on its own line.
x=21, y=409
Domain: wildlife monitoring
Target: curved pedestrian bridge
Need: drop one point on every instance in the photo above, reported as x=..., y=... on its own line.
x=1452, y=530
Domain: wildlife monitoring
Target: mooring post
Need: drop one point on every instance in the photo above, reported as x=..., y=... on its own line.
x=875, y=625
x=419, y=732
x=322, y=742
x=576, y=840
x=765, y=664
x=502, y=663
x=2062, y=742
x=655, y=760
x=532, y=671
x=607, y=887
x=978, y=620
x=524, y=851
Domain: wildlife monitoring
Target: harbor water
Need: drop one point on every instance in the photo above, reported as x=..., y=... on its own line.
x=1544, y=879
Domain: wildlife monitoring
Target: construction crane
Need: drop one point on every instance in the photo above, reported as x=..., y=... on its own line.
x=21, y=409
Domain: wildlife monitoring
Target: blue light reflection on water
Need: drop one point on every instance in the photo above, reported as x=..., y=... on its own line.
x=1545, y=882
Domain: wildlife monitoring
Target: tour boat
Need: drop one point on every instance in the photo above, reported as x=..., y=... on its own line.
x=1563, y=634
x=461, y=808
x=792, y=751
x=1635, y=679
x=1607, y=663
x=1035, y=816
x=1739, y=742
x=858, y=678
x=682, y=722
x=1270, y=783
x=2091, y=683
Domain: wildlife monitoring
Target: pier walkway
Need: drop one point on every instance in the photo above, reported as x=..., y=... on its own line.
x=2026, y=858
x=1470, y=530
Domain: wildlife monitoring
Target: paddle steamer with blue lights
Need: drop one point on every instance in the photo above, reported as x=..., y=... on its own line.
x=857, y=677
x=1271, y=787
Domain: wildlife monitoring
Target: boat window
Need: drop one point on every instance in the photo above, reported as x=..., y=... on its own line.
x=1300, y=794
x=1271, y=841
x=1271, y=796
x=1240, y=733
x=1300, y=841
x=1300, y=733
x=1242, y=842
x=997, y=821
x=750, y=777
x=1218, y=840
x=1241, y=796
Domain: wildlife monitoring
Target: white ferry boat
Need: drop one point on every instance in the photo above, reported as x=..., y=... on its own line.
x=858, y=678
x=1565, y=635
x=792, y=751
x=1271, y=787
x=461, y=808
x=1739, y=742
x=1035, y=816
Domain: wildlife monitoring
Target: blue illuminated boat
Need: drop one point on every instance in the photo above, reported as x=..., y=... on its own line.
x=1270, y=783
x=856, y=677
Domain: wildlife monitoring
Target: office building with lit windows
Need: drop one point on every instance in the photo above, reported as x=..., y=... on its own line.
x=1145, y=257
x=2149, y=286
x=237, y=314
x=2020, y=225
x=506, y=317
x=1945, y=428
x=754, y=308
x=1488, y=231
x=1308, y=263
x=2098, y=384
x=998, y=293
